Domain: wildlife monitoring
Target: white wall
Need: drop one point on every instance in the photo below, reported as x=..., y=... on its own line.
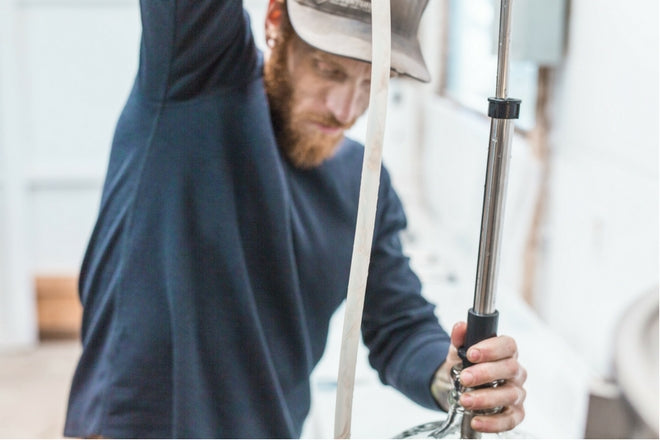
x=601, y=231
x=17, y=320
x=66, y=68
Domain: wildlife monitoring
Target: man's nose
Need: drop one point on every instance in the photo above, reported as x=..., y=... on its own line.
x=344, y=103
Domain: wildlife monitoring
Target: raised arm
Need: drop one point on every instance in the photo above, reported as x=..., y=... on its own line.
x=194, y=47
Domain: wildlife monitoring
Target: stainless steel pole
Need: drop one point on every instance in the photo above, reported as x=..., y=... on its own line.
x=496, y=178
x=483, y=317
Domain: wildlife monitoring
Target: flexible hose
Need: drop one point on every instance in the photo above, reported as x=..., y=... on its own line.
x=364, y=229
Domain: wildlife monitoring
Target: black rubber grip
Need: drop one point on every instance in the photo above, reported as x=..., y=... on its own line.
x=479, y=327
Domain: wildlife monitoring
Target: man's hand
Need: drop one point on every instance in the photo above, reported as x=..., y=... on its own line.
x=495, y=358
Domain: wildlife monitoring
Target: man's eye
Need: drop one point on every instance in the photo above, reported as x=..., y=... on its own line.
x=326, y=69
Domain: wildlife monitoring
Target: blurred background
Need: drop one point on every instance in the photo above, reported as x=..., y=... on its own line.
x=578, y=284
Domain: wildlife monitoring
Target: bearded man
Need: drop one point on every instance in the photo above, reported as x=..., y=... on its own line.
x=223, y=241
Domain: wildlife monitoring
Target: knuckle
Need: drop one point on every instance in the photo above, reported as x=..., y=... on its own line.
x=478, y=401
x=512, y=423
x=515, y=396
x=513, y=367
x=509, y=344
x=523, y=374
x=515, y=418
x=507, y=396
x=511, y=420
x=478, y=374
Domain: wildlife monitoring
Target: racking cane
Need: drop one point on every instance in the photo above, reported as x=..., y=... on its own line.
x=483, y=317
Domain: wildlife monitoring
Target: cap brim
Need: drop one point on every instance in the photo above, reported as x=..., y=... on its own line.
x=351, y=38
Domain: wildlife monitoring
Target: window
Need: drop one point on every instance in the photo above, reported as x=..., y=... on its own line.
x=537, y=28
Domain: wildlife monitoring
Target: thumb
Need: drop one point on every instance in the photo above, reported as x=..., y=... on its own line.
x=458, y=334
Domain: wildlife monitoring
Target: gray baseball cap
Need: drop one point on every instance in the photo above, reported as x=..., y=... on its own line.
x=343, y=27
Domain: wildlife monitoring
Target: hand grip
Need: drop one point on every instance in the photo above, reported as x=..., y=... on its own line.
x=479, y=327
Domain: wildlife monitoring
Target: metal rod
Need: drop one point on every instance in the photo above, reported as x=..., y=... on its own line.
x=503, y=50
x=499, y=148
x=496, y=180
x=492, y=216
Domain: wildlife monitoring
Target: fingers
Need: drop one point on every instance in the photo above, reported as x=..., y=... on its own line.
x=479, y=374
x=507, y=395
x=504, y=421
x=493, y=349
x=494, y=359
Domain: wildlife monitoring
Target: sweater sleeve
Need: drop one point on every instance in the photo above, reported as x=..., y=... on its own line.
x=406, y=343
x=194, y=47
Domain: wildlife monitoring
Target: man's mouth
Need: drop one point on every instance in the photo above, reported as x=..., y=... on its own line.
x=331, y=130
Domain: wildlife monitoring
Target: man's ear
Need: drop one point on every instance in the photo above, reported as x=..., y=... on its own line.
x=273, y=21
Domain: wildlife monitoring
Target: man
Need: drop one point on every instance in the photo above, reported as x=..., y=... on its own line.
x=223, y=242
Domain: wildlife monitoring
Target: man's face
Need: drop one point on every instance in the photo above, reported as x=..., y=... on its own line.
x=314, y=98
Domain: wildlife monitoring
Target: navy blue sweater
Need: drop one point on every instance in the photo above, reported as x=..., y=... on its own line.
x=214, y=267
